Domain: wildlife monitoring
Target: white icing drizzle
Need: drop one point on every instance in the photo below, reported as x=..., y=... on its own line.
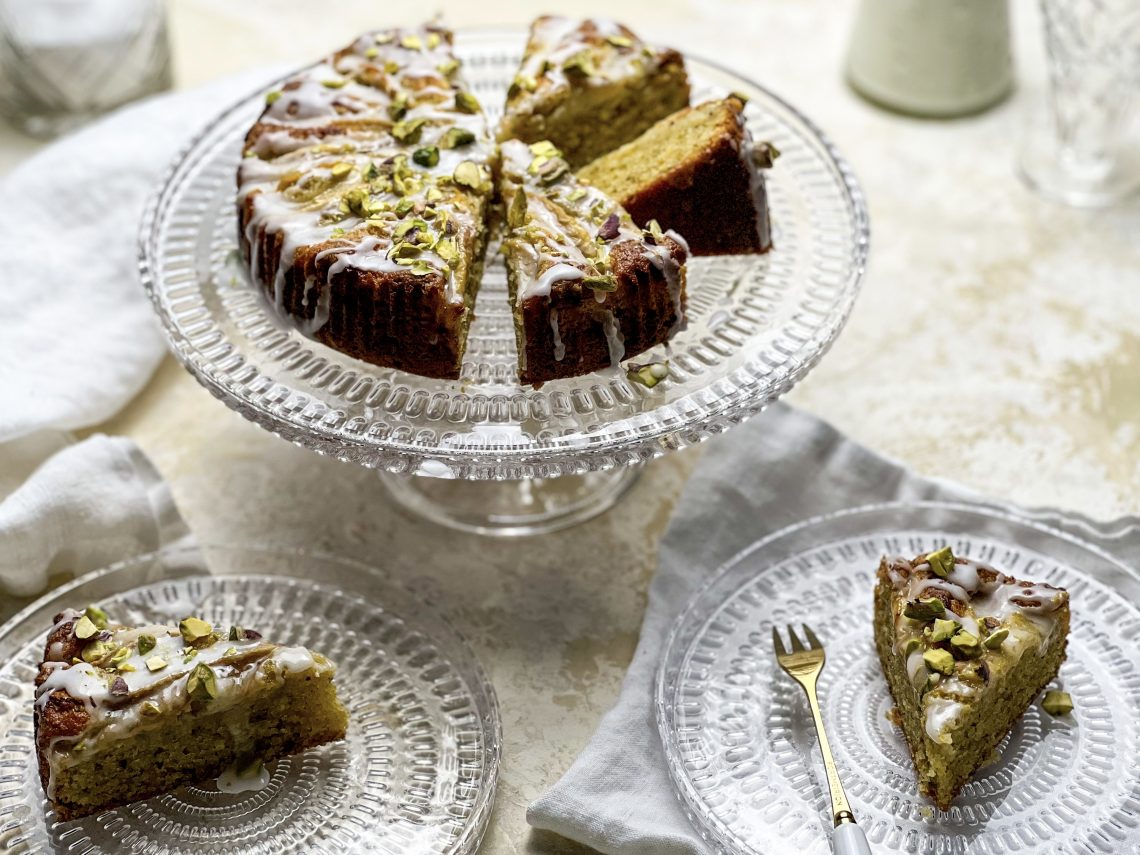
x=941, y=713
x=559, y=347
x=327, y=117
x=614, y=339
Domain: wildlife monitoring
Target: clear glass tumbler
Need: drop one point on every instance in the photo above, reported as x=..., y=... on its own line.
x=1083, y=150
x=63, y=62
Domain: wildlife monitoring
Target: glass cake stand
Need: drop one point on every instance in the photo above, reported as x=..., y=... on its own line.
x=738, y=736
x=416, y=772
x=757, y=325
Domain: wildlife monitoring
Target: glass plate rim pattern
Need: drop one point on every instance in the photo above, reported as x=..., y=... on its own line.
x=711, y=828
x=17, y=631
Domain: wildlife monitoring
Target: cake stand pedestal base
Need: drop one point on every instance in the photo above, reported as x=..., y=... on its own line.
x=511, y=508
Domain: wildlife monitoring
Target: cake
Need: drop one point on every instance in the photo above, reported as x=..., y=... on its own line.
x=588, y=288
x=363, y=198
x=125, y=713
x=698, y=172
x=965, y=650
x=590, y=86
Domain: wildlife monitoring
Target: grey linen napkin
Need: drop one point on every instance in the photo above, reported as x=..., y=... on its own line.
x=783, y=467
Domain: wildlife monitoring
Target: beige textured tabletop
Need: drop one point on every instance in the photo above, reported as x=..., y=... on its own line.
x=996, y=343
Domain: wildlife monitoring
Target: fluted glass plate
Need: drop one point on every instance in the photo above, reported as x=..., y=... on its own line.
x=416, y=772
x=739, y=738
x=757, y=324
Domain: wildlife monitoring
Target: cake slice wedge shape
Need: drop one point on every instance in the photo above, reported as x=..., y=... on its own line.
x=124, y=713
x=965, y=649
x=698, y=172
x=588, y=86
x=363, y=200
x=588, y=288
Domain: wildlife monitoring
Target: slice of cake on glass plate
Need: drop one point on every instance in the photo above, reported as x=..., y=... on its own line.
x=589, y=86
x=965, y=650
x=125, y=713
x=363, y=198
x=588, y=287
x=698, y=172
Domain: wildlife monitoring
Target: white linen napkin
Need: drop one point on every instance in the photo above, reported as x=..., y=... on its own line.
x=78, y=340
x=781, y=468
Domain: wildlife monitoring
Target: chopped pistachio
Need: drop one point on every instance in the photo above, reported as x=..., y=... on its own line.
x=516, y=213
x=1057, y=703
x=939, y=660
x=448, y=250
x=120, y=655
x=194, y=629
x=146, y=643
x=399, y=106
x=202, y=684
x=912, y=644
x=739, y=96
x=941, y=562
x=412, y=42
x=84, y=628
x=127, y=666
x=335, y=83
x=995, y=639
x=943, y=629
x=764, y=155
x=355, y=201
x=337, y=232
x=404, y=206
x=95, y=651
x=433, y=41
x=925, y=609
x=230, y=651
x=408, y=131
x=383, y=38
x=448, y=67
x=149, y=709
x=468, y=174
x=654, y=229
x=606, y=284
x=648, y=375
x=465, y=102
x=619, y=41
x=97, y=616
x=340, y=169
x=522, y=83
x=372, y=53
x=454, y=137
x=544, y=148
x=580, y=64
x=271, y=96
x=155, y=663
x=391, y=66
x=426, y=156
x=433, y=194
x=965, y=643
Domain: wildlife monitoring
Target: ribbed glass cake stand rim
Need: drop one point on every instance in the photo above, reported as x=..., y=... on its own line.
x=418, y=768
x=738, y=737
x=758, y=323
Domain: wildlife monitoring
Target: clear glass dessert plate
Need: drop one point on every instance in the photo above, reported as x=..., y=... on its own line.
x=739, y=739
x=757, y=324
x=415, y=774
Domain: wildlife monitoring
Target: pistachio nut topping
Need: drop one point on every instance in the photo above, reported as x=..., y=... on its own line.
x=965, y=643
x=941, y=661
x=648, y=375
x=943, y=630
x=155, y=663
x=85, y=628
x=925, y=609
x=146, y=643
x=941, y=562
x=194, y=630
x=1057, y=703
x=994, y=640
x=97, y=616
x=202, y=683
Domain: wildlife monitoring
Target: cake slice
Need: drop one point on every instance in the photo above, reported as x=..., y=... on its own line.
x=363, y=198
x=589, y=86
x=588, y=287
x=965, y=650
x=125, y=713
x=698, y=172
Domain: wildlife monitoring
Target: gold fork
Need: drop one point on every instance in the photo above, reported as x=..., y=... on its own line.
x=804, y=665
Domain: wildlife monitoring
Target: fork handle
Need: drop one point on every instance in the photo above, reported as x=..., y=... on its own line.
x=849, y=839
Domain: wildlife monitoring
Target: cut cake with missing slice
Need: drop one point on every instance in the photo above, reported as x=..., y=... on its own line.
x=125, y=713
x=965, y=650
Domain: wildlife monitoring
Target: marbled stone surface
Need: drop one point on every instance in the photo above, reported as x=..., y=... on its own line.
x=997, y=343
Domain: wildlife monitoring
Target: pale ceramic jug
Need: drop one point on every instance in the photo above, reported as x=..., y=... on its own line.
x=936, y=58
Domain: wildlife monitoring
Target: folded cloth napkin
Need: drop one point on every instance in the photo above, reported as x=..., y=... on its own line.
x=78, y=339
x=85, y=506
x=781, y=468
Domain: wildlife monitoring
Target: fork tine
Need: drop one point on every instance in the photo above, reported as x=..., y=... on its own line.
x=813, y=642
x=797, y=645
x=778, y=643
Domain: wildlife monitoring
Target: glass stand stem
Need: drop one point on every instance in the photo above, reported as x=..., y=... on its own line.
x=511, y=508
